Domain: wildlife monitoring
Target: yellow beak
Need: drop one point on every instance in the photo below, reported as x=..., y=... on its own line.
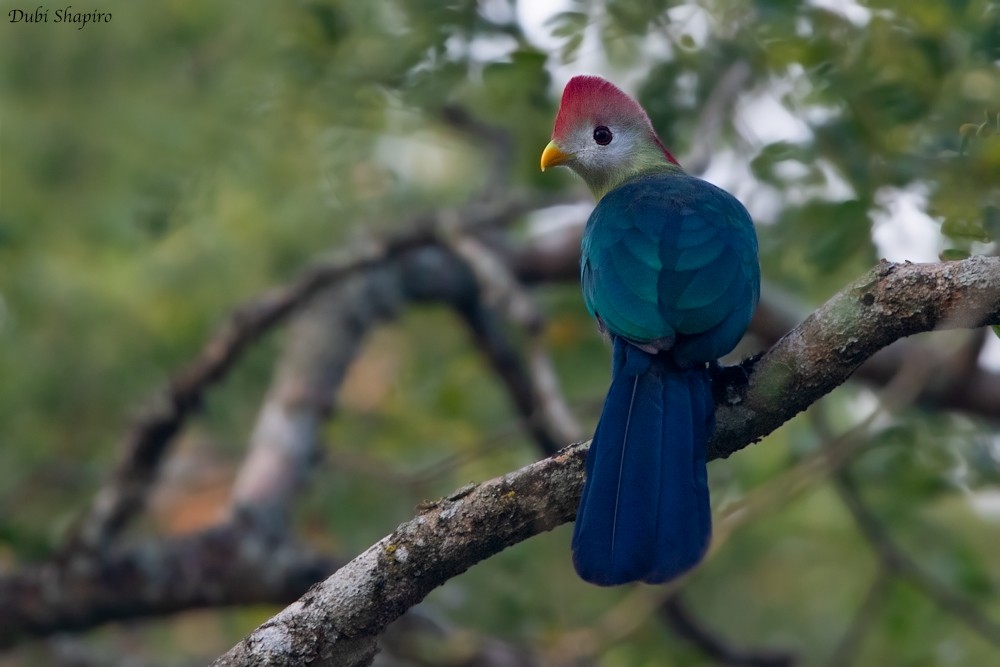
x=553, y=156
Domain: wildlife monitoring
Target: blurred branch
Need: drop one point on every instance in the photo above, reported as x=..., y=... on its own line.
x=893, y=559
x=491, y=137
x=717, y=108
x=532, y=384
x=863, y=622
x=338, y=621
x=896, y=561
x=684, y=623
x=418, y=640
x=325, y=339
x=230, y=565
x=149, y=438
x=322, y=343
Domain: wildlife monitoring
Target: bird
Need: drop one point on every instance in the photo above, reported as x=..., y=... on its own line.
x=669, y=270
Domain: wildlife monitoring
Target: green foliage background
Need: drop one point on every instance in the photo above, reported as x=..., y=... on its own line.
x=160, y=168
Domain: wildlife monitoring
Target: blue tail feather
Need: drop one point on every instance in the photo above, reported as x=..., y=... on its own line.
x=644, y=514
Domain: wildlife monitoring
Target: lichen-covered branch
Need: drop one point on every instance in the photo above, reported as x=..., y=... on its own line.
x=889, y=303
x=338, y=621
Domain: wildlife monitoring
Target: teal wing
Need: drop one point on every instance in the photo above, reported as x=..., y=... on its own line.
x=672, y=259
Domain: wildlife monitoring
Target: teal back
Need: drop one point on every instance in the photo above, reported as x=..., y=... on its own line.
x=671, y=260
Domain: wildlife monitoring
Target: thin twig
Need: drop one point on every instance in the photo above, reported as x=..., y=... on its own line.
x=494, y=138
x=531, y=382
x=683, y=622
x=718, y=107
x=897, y=561
x=846, y=651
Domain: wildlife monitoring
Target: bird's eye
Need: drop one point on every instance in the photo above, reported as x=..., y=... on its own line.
x=602, y=135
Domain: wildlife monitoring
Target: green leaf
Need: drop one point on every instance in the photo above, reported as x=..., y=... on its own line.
x=970, y=573
x=952, y=254
x=991, y=221
x=568, y=24
x=964, y=228
x=572, y=45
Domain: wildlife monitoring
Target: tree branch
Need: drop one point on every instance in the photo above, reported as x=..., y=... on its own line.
x=225, y=566
x=338, y=621
x=889, y=303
